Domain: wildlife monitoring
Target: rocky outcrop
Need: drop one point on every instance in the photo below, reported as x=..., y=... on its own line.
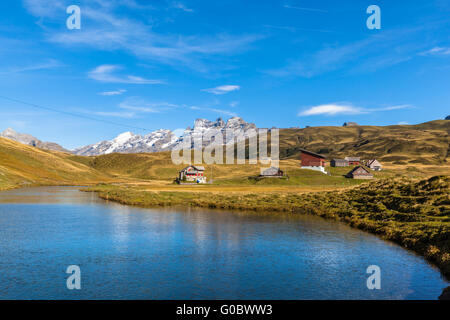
x=30, y=140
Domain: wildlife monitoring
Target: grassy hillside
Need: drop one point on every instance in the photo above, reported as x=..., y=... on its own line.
x=22, y=165
x=426, y=143
x=413, y=151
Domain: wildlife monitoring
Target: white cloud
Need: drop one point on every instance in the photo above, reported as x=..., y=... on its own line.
x=403, y=123
x=49, y=64
x=181, y=6
x=222, y=89
x=137, y=104
x=336, y=109
x=113, y=93
x=126, y=115
x=369, y=54
x=215, y=110
x=105, y=73
x=304, y=9
x=111, y=31
x=437, y=51
x=330, y=109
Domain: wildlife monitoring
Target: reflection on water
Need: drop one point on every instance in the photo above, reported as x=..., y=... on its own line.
x=132, y=253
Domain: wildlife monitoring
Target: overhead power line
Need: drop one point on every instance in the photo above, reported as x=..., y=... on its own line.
x=72, y=114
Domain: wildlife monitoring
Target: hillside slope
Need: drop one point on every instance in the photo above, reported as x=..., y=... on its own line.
x=426, y=143
x=22, y=165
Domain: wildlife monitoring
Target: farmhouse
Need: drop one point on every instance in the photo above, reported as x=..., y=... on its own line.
x=193, y=174
x=312, y=161
x=359, y=173
x=339, y=163
x=353, y=161
x=272, y=172
x=374, y=164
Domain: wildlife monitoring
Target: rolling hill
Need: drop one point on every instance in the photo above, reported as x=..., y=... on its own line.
x=22, y=165
x=422, y=148
x=426, y=143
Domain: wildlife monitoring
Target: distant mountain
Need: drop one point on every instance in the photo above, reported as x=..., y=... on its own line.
x=164, y=140
x=447, y=118
x=129, y=142
x=350, y=124
x=30, y=140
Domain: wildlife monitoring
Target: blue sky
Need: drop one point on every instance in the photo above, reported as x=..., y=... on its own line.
x=162, y=64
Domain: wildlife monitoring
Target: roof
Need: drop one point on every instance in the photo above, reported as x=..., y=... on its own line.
x=352, y=158
x=358, y=168
x=198, y=168
x=374, y=162
x=340, y=160
x=270, y=171
x=312, y=153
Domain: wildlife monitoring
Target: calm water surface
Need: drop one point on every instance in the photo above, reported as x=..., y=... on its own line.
x=132, y=253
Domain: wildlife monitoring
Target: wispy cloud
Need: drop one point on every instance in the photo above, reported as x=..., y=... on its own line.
x=370, y=54
x=105, y=73
x=110, y=31
x=222, y=89
x=295, y=29
x=181, y=6
x=333, y=109
x=125, y=115
x=137, y=105
x=113, y=93
x=49, y=64
x=437, y=51
x=215, y=110
x=304, y=9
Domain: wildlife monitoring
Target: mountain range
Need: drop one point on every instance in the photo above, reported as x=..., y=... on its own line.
x=425, y=143
x=165, y=140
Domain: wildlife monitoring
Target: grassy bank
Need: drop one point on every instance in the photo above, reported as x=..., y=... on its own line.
x=414, y=214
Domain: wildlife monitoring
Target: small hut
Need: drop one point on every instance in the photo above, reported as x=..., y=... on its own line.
x=353, y=161
x=339, y=163
x=271, y=172
x=374, y=164
x=359, y=173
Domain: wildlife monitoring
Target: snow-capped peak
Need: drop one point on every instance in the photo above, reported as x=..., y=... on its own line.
x=162, y=139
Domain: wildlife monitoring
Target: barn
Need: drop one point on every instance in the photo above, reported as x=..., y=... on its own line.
x=359, y=173
x=312, y=161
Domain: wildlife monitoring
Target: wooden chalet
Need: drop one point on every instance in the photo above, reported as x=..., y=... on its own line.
x=359, y=172
x=192, y=174
x=353, y=161
x=339, y=163
x=374, y=164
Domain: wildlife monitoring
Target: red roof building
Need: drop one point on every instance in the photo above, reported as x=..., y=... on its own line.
x=311, y=159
